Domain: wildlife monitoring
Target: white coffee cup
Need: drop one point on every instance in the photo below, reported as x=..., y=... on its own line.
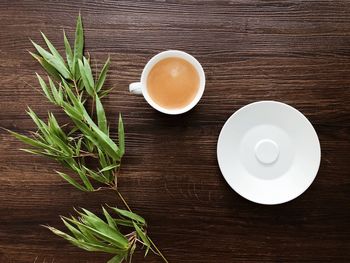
x=141, y=87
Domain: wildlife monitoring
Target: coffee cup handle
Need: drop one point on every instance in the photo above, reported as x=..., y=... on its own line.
x=135, y=88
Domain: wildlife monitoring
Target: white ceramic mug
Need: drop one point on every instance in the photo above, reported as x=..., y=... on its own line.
x=141, y=87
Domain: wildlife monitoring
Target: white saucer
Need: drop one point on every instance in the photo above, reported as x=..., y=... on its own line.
x=268, y=152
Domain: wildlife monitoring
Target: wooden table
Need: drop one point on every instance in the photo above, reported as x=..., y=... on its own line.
x=297, y=52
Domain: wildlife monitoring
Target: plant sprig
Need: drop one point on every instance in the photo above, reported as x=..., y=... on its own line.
x=69, y=85
x=90, y=232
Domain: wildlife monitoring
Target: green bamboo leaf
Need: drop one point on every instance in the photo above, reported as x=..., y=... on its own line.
x=78, y=235
x=35, y=143
x=102, y=77
x=117, y=259
x=108, y=168
x=121, y=136
x=56, y=93
x=53, y=61
x=89, y=237
x=78, y=243
x=55, y=127
x=98, y=177
x=110, y=220
x=39, y=123
x=102, y=159
x=45, y=88
x=97, y=223
x=78, y=46
x=105, y=232
x=71, y=181
x=78, y=146
x=104, y=162
x=142, y=235
x=129, y=215
x=84, y=178
x=44, y=153
x=88, y=72
x=101, y=140
x=53, y=50
x=46, y=65
x=104, y=93
x=72, y=113
x=101, y=116
x=69, y=53
x=105, y=142
x=100, y=248
x=90, y=143
x=147, y=250
x=85, y=79
x=60, y=93
x=56, y=141
x=60, y=233
x=124, y=222
x=74, y=99
x=80, y=83
x=28, y=140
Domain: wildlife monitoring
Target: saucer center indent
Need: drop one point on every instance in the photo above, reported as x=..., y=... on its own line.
x=266, y=151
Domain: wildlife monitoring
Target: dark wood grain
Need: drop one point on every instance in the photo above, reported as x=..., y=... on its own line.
x=296, y=52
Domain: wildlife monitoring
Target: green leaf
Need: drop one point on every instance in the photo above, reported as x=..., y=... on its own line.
x=104, y=162
x=46, y=65
x=110, y=220
x=61, y=144
x=41, y=125
x=104, y=93
x=78, y=235
x=98, y=177
x=101, y=116
x=97, y=223
x=88, y=72
x=78, y=146
x=117, y=259
x=60, y=233
x=124, y=222
x=87, y=234
x=100, y=248
x=142, y=235
x=58, y=96
x=74, y=99
x=105, y=232
x=55, y=127
x=53, y=61
x=44, y=153
x=129, y=215
x=45, y=88
x=85, y=78
x=69, y=53
x=108, y=168
x=84, y=178
x=121, y=136
x=52, y=49
x=102, y=77
x=73, y=114
x=71, y=181
x=28, y=140
x=80, y=83
x=104, y=141
x=102, y=159
x=78, y=46
x=83, y=244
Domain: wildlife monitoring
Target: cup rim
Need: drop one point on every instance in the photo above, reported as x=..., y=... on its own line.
x=166, y=54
